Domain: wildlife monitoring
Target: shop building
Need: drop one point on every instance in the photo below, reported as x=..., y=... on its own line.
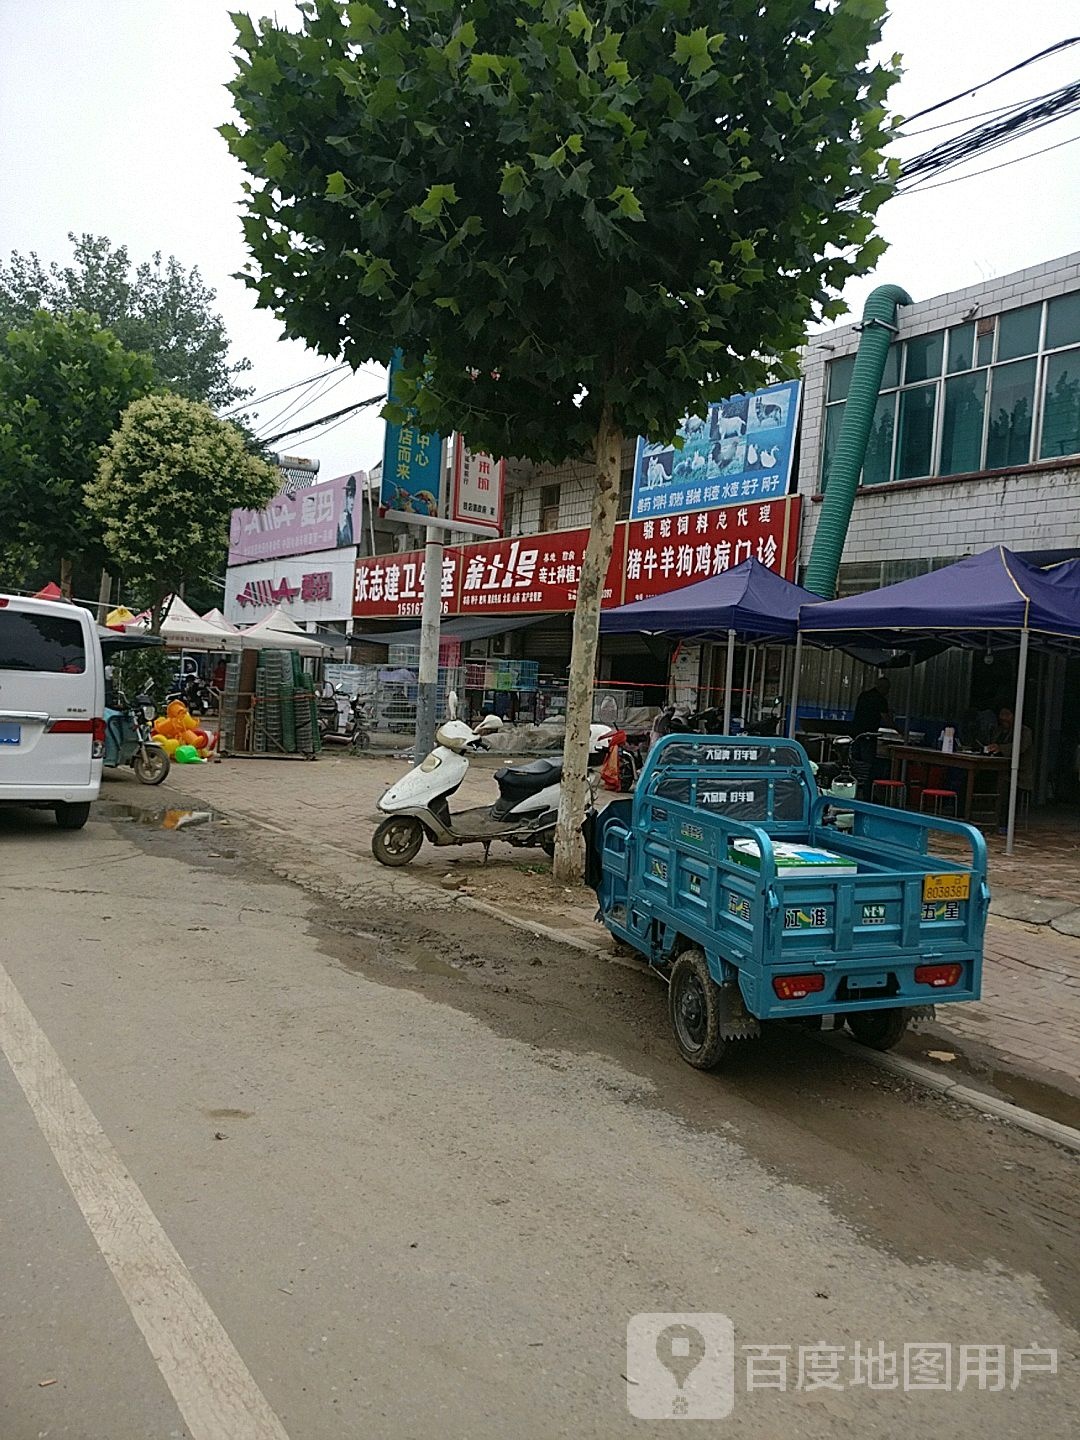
x=975, y=442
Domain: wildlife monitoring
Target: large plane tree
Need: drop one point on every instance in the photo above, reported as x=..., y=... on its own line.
x=579, y=221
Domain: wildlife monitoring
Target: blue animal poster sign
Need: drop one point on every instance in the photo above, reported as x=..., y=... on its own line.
x=741, y=449
x=411, y=459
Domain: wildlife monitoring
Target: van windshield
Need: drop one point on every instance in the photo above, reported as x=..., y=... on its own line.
x=42, y=643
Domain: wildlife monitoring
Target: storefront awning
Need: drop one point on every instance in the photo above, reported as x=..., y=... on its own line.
x=472, y=627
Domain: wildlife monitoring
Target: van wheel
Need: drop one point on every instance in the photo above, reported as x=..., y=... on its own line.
x=72, y=817
x=878, y=1029
x=397, y=840
x=694, y=1010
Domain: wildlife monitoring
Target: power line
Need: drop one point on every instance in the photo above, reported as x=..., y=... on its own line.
x=273, y=395
x=904, y=134
x=379, y=399
x=323, y=387
x=989, y=169
x=974, y=89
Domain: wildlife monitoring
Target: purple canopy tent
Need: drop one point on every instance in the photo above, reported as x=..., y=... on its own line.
x=749, y=601
x=994, y=599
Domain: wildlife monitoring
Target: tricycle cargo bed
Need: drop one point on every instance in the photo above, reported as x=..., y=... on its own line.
x=727, y=847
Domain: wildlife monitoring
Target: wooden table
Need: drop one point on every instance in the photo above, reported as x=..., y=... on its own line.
x=997, y=765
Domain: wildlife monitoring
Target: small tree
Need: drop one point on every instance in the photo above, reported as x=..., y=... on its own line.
x=168, y=482
x=64, y=383
x=579, y=220
x=159, y=309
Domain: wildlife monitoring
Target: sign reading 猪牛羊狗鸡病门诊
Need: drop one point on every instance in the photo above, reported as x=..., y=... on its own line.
x=740, y=449
x=411, y=461
x=476, y=497
x=676, y=550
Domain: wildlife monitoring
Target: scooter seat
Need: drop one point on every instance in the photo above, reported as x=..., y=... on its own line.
x=517, y=782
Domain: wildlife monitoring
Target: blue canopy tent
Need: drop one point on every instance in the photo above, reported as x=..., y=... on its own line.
x=749, y=601
x=995, y=600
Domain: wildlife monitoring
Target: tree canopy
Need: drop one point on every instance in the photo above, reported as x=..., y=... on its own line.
x=548, y=205
x=64, y=383
x=158, y=308
x=167, y=484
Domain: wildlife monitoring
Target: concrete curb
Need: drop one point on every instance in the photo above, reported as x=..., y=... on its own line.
x=898, y=1065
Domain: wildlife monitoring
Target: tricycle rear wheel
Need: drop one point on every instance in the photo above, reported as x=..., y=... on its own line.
x=694, y=1010
x=878, y=1029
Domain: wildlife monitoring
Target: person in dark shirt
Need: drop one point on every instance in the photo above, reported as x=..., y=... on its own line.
x=872, y=708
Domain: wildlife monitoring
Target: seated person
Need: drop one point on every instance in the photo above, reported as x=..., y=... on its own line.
x=1008, y=739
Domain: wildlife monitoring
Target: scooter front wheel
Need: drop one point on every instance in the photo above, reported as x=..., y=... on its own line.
x=150, y=764
x=397, y=840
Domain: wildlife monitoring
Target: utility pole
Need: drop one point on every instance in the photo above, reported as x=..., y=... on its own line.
x=430, y=622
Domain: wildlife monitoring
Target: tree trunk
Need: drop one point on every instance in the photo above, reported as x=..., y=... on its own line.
x=104, y=591
x=569, y=846
x=65, y=578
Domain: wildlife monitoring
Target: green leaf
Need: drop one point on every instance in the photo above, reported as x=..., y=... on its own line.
x=513, y=180
x=464, y=38
x=692, y=52
x=335, y=183
x=821, y=87
x=245, y=30
x=447, y=302
x=482, y=68
x=579, y=24
x=626, y=202
x=275, y=160
x=575, y=144
x=363, y=21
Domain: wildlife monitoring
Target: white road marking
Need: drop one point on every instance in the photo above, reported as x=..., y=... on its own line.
x=213, y=1388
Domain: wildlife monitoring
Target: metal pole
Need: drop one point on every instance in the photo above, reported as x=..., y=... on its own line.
x=430, y=619
x=907, y=702
x=1018, y=721
x=761, y=682
x=748, y=669
x=796, y=667
x=729, y=677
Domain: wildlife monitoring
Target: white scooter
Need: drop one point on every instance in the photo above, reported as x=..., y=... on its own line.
x=524, y=814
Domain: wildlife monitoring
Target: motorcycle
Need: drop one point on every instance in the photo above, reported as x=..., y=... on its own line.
x=344, y=717
x=194, y=692
x=836, y=779
x=129, y=741
x=417, y=806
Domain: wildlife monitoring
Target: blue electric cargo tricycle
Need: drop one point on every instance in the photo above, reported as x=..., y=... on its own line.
x=727, y=872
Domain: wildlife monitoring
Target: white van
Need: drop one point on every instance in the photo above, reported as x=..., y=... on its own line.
x=52, y=708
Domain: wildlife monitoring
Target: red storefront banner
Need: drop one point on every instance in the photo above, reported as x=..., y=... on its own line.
x=539, y=574
x=532, y=574
x=678, y=550
x=393, y=585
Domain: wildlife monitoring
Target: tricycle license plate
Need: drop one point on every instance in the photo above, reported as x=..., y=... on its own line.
x=946, y=887
x=10, y=734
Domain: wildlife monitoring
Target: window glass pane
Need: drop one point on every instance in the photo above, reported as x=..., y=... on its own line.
x=891, y=374
x=915, y=445
x=1061, y=415
x=961, y=348
x=840, y=377
x=962, y=426
x=1012, y=395
x=1063, y=321
x=985, y=349
x=877, y=468
x=1018, y=332
x=43, y=643
x=833, y=416
x=923, y=357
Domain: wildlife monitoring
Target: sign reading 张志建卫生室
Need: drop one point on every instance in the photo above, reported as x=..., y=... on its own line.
x=317, y=517
x=411, y=461
x=740, y=449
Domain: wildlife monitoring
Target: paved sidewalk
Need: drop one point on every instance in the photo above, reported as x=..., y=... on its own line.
x=1028, y=1021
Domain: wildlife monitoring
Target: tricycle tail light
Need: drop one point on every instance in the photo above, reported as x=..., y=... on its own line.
x=939, y=976
x=797, y=987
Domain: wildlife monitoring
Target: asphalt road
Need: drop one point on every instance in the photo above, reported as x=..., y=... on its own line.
x=320, y=1160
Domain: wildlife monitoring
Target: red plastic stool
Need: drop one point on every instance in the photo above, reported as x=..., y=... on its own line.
x=938, y=800
x=889, y=792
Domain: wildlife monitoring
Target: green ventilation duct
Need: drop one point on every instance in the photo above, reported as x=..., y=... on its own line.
x=878, y=331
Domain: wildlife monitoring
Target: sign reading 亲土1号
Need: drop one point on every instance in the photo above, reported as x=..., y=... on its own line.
x=389, y=585
x=411, y=460
x=741, y=449
x=477, y=492
x=677, y=550
x=532, y=573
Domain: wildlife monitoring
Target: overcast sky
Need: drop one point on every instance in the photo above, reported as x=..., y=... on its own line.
x=108, y=111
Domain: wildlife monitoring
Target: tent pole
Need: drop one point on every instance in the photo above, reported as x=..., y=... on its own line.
x=1018, y=721
x=795, y=669
x=729, y=677
x=761, y=682
x=749, y=668
x=907, y=702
